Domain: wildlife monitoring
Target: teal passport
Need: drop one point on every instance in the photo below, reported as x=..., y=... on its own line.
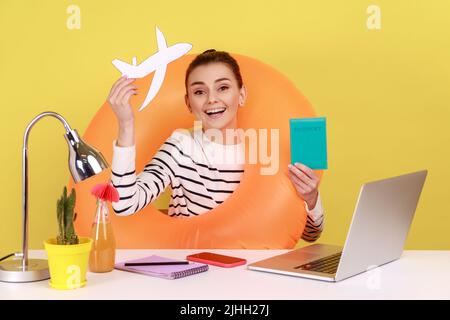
x=309, y=142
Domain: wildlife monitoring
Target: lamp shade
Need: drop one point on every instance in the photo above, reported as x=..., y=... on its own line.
x=84, y=160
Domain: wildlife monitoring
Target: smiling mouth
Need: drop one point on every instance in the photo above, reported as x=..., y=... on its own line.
x=215, y=112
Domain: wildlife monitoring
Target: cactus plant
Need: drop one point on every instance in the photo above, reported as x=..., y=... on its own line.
x=65, y=213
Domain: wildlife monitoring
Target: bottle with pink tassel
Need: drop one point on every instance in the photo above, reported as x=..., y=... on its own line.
x=103, y=251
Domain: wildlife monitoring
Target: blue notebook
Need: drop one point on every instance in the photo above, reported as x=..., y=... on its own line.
x=163, y=271
x=309, y=142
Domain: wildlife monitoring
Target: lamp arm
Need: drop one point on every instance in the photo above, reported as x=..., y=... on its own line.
x=25, y=179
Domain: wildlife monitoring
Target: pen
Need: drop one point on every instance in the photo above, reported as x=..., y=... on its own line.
x=155, y=263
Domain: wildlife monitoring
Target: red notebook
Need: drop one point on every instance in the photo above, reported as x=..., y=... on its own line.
x=163, y=271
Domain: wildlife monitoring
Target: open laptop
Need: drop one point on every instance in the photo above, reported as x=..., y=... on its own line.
x=381, y=221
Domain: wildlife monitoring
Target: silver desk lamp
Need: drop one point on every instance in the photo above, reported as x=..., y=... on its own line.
x=84, y=162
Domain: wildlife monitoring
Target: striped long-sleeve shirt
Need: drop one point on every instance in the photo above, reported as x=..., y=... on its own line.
x=201, y=174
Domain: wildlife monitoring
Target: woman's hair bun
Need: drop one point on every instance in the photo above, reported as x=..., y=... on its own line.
x=214, y=56
x=209, y=50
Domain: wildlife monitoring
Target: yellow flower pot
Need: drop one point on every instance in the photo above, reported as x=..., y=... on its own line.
x=68, y=264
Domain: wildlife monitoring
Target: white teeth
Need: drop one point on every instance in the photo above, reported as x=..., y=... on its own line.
x=215, y=110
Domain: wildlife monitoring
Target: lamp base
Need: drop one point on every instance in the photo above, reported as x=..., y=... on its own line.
x=12, y=271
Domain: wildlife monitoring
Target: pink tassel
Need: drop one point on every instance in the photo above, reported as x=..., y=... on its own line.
x=105, y=191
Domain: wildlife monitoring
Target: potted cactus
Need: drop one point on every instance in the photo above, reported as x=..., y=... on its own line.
x=68, y=254
x=66, y=216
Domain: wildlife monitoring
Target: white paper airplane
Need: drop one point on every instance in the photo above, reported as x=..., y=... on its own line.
x=157, y=62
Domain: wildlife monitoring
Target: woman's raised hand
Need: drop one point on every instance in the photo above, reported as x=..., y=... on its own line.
x=119, y=99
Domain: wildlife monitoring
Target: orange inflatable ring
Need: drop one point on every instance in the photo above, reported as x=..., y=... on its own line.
x=264, y=212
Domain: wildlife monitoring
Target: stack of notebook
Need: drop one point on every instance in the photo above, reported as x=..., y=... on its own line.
x=162, y=271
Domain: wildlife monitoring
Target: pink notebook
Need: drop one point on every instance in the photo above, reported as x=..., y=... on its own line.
x=164, y=271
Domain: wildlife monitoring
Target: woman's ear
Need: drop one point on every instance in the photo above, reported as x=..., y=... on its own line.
x=186, y=100
x=242, y=96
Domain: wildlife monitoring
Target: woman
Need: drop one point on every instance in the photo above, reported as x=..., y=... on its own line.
x=192, y=162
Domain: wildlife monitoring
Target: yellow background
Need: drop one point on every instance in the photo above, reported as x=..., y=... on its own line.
x=385, y=92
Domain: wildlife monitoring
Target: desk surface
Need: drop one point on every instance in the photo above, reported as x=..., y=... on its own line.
x=416, y=275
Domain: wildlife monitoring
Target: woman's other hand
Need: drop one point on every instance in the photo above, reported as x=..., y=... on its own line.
x=305, y=182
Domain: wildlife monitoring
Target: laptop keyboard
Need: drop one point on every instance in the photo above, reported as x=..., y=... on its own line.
x=325, y=265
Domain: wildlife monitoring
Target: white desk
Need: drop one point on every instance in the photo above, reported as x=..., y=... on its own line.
x=416, y=275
